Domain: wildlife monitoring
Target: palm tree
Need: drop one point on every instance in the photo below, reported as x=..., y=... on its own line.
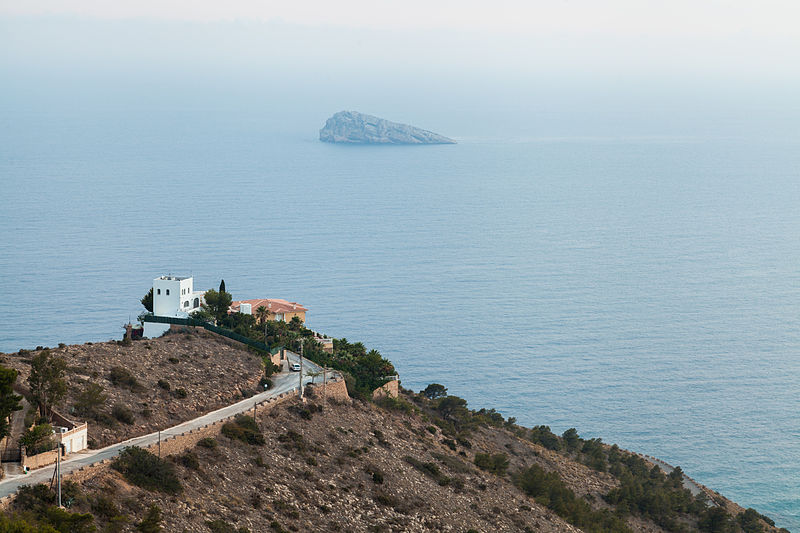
x=261, y=314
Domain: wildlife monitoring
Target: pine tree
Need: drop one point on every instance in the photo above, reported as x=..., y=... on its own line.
x=9, y=402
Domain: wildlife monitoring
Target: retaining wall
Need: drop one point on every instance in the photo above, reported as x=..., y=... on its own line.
x=390, y=389
x=39, y=460
x=334, y=390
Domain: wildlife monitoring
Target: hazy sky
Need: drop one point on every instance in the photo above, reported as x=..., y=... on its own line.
x=716, y=35
x=395, y=55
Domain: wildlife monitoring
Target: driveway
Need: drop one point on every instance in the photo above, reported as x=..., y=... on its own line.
x=283, y=382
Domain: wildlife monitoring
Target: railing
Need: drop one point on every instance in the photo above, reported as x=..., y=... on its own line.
x=210, y=327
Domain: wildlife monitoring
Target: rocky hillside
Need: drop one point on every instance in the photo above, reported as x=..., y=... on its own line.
x=351, y=466
x=150, y=384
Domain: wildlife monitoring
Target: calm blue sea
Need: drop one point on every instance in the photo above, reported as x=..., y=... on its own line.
x=642, y=289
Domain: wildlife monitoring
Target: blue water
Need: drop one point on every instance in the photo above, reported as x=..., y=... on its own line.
x=641, y=289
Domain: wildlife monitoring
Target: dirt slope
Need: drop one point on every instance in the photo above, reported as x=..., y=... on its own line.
x=210, y=370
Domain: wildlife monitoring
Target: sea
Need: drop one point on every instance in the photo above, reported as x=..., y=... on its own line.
x=641, y=287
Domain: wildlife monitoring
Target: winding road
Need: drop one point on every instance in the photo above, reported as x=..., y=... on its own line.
x=283, y=382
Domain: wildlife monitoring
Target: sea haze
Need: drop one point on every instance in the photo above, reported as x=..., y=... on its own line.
x=643, y=289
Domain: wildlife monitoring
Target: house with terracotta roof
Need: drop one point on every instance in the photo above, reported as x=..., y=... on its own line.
x=276, y=309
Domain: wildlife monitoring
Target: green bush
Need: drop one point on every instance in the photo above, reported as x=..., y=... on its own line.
x=495, y=463
x=646, y=491
x=121, y=377
x=429, y=469
x=180, y=393
x=90, y=400
x=40, y=515
x=152, y=521
x=164, y=384
x=189, y=460
x=245, y=429
x=123, y=414
x=548, y=490
x=145, y=470
x=220, y=526
x=38, y=439
x=542, y=435
x=208, y=442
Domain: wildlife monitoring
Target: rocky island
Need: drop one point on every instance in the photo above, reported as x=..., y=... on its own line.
x=356, y=128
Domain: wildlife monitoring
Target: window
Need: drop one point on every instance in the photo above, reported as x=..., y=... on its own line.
x=159, y=291
x=167, y=292
x=186, y=303
x=197, y=302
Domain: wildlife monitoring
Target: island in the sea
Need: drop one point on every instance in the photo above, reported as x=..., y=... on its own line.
x=352, y=127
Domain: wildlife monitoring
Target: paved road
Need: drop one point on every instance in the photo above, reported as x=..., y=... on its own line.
x=283, y=382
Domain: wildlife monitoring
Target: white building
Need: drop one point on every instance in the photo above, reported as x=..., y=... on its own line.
x=173, y=296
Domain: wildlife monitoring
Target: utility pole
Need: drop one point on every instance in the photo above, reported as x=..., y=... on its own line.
x=325, y=386
x=58, y=473
x=301, y=368
x=255, y=405
x=159, y=444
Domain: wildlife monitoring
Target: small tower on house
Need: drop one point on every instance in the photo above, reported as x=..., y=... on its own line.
x=173, y=296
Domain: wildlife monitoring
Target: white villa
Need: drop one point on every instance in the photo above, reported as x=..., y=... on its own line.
x=173, y=296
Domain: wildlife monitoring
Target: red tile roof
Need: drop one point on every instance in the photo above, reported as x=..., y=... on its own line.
x=273, y=305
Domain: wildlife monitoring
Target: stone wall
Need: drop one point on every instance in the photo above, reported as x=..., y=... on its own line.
x=391, y=389
x=334, y=390
x=39, y=460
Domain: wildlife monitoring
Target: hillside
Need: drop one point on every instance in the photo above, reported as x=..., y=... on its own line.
x=422, y=462
x=160, y=382
x=350, y=466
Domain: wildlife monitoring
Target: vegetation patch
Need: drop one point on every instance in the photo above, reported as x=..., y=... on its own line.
x=495, y=463
x=429, y=469
x=121, y=377
x=548, y=489
x=123, y=414
x=245, y=429
x=145, y=470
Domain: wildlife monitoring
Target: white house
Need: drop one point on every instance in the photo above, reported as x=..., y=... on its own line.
x=173, y=296
x=73, y=435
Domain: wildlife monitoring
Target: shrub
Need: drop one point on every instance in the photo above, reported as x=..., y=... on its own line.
x=90, y=400
x=245, y=429
x=220, y=526
x=164, y=384
x=434, y=391
x=716, y=520
x=38, y=439
x=105, y=508
x=123, y=414
x=121, y=377
x=542, y=435
x=453, y=463
x=189, y=460
x=548, y=489
x=145, y=470
x=429, y=469
x=180, y=393
x=496, y=463
x=152, y=521
x=208, y=442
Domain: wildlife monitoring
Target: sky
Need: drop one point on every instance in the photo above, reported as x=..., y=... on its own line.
x=563, y=54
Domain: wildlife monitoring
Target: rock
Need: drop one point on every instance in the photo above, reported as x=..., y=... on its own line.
x=356, y=128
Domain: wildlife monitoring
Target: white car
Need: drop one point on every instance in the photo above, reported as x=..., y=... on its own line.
x=294, y=367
